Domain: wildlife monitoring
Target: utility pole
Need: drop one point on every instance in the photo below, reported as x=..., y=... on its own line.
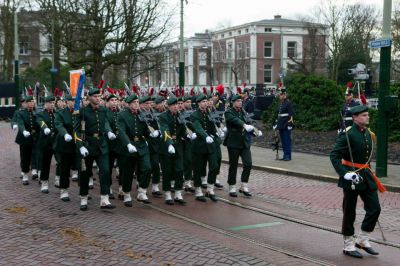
x=53, y=70
x=384, y=83
x=181, y=54
x=16, y=61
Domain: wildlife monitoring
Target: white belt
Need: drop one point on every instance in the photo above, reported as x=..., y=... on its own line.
x=348, y=118
x=282, y=115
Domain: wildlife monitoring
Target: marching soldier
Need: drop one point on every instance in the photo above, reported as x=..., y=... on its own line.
x=215, y=107
x=91, y=128
x=64, y=145
x=238, y=144
x=346, y=114
x=45, y=120
x=26, y=136
x=154, y=144
x=351, y=158
x=284, y=124
x=171, y=151
x=112, y=116
x=204, y=149
x=134, y=152
x=188, y=148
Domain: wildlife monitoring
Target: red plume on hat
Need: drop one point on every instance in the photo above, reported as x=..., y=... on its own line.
x=111, y=91
x=220, y=89
x=205, y=90
x=349, y=84
x=58, y=92
x=135, y=89
x=177, y=92
x=191, y=92
x=121, y=92
x=101, y=84
x=30, y=91
x=151, y=92
x=239, y=90
x=211, y=89
x=280, y=85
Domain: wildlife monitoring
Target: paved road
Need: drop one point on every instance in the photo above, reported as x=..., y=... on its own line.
x=45, y=230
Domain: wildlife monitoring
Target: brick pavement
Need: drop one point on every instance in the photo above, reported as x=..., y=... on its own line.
x=39, y=229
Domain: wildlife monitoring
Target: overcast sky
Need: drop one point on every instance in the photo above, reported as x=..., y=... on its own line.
x=210, y=14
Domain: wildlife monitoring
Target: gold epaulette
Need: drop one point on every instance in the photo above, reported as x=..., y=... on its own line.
x=373, y=135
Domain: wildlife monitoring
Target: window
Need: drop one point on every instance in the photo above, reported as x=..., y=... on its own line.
x=267, y=74
x=222, y=35
x=292, y=49
x=247, y=72
x=223, y=56
x=239, y=50
x=239, y=32
x=186, y=59
x=268, y=49
x=24, y=45
x=247, y=49
x=216, y=55
x=230, y=55
x=202, y=58
x=230, y=33
x=247, y=30
x=267, y=29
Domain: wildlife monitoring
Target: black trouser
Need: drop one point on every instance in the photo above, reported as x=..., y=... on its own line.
x=187, y=162
x=371, y=206
x=25, y=152
x=112, y=157
x=200, y=165
x=104, y=174
x=172, y=169
x=36, y=157
x=67, y=161
x=46, y=156
x=129, y=163
x=219, y=158
x=234, y=154
x=58, y=167
x=155, y=167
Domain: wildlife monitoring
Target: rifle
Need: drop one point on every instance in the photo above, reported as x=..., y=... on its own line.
x=184, y=119
x=147, y=117
x=248, y=120
x=275, y=144
x=217, y=118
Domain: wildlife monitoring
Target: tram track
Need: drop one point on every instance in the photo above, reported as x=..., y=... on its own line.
x=247, y=239
x=298, y=221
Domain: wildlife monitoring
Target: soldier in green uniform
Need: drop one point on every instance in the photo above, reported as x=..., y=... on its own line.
x=187, y=146
x=238, y=143
x=91, y=129
x=64, y=146
x=154, y=144
x=14, y=122
x=134, y=152
x=112, y=116
x=171, y=151
x=48, y=133
x=26, y=136
x=216, y=106
x=205, y=149
x=351, y=158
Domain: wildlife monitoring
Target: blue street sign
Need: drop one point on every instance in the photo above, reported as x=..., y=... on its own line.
x=380, y=43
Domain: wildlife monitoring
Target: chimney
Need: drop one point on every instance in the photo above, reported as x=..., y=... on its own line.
x=277, y=17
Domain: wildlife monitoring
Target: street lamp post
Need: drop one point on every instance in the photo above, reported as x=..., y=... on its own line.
x=181, y=54
x=16, y=61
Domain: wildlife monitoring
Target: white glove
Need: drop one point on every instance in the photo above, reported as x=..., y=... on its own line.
x=154, y=134
x=274, y=127
x=248, y=128
x=131, y=148
x=352, y=176
x=220, y=133
x=15, y=127
x=67, y=137
x=259, y=133
x=47, y=131
x=26, y=133
x=171, y=149
x=209, y=140
x=194, y=136
x=289, y=128
x=84, y=152
x=225, y=129
x=111, y=136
